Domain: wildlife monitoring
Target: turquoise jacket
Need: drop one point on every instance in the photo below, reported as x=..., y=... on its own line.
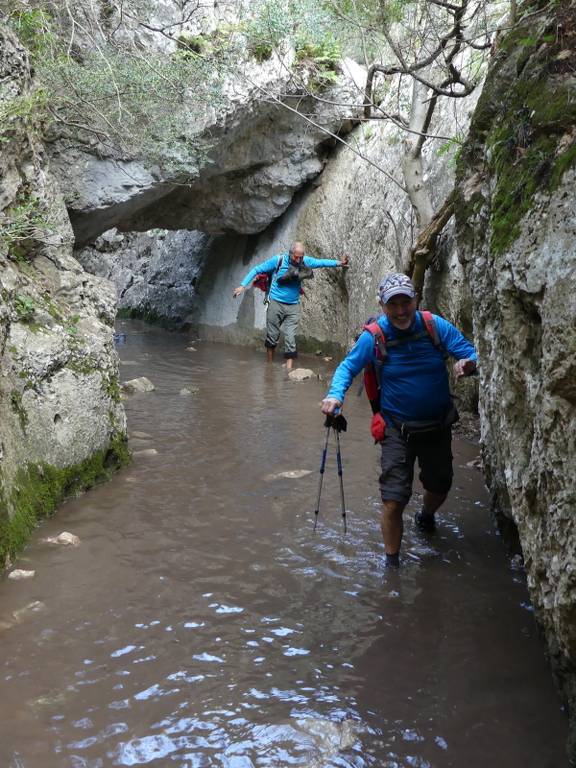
x=286, y=294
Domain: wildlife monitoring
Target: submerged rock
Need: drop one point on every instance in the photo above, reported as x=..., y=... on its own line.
x=19, y=574
x=300, y=374
x=146, y=452
x=185, y=391
x=290, y=474
x=21, y=614
x=65, y=538
x=141, y=384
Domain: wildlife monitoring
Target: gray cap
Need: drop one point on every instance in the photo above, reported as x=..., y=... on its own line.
x=395, y=284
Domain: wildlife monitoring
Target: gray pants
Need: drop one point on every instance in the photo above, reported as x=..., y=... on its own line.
x=285, y=316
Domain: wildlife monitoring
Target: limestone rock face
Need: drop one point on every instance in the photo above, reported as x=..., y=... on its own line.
x=516, y=235
x=352, y=208
x=59, y=405
x=155, y=274
x=253, y=154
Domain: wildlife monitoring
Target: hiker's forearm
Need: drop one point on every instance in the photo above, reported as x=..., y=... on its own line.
x=360, y=354
x=310, y=261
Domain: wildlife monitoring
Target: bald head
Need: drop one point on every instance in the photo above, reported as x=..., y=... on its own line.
x=296, y=252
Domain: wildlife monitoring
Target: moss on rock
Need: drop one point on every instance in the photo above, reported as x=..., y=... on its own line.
x=37, y=489
x=523, y=133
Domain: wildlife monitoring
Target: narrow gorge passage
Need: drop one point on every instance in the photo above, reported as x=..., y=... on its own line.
x=201, y=622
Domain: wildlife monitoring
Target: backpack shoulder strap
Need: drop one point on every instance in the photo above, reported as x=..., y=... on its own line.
x=430, y=325
x=271, y=278
x=378, y=335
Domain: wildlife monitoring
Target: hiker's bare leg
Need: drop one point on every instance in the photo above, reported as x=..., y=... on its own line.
x=270, y=354
x=433, y=501
x=289, y=363
x=392, y=526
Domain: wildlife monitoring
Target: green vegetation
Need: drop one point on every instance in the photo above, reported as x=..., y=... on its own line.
x=82, y=367
x=39, y=488
x=30, y=108
x=266, y=30
x=525, y=157
x=111, y=387
x=307, y=26
x=25, y=307
x=34, y=28
x=111, y=93
x=528, y=131
x=452, y=149
x=72, y=325
x=190, y=44
x=23, y=223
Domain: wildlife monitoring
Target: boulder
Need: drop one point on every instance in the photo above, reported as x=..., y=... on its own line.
x=141, y=384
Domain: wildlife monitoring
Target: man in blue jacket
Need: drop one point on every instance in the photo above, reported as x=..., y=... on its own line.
x=287, y=272
x=415, y=403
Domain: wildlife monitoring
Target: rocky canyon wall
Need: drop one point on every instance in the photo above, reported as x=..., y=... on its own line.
x=516, y=226
x=62, y=425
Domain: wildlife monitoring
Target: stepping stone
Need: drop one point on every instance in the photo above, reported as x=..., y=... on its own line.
x=300, y=374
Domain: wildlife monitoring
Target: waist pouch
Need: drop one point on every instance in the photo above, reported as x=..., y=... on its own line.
x=434, y=425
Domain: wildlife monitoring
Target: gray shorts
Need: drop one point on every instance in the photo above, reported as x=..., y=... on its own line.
x=399, y=453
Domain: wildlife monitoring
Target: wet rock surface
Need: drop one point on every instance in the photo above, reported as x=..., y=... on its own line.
x=65, y=538
x=301, y=374
x=21, y=574
x=141, y=384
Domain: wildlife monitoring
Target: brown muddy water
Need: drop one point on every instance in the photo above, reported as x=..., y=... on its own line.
x=202, y=623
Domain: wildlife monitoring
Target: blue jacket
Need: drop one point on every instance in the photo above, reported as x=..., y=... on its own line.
x=414, y=381
x=287, y=294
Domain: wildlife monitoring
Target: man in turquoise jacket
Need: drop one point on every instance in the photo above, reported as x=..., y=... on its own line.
x=287, y=272
x=415, y=404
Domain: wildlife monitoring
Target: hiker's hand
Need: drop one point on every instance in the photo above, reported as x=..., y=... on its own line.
x=330, y=405
x=464, y=368
x=344, y=262
x=238, y=291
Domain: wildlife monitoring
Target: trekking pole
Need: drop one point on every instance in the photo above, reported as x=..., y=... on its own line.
x=338, y=423
x=340, y=475
x=322, y=468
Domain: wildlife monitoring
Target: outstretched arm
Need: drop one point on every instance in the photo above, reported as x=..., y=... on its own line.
x=310, y=261
x=266, y=266
x=359, y=356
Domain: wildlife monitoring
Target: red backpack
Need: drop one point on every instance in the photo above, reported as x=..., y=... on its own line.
x=373, y=371
x=263, y=280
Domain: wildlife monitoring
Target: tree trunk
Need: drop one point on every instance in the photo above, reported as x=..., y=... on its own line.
x=412, y=167
x=424, y=248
